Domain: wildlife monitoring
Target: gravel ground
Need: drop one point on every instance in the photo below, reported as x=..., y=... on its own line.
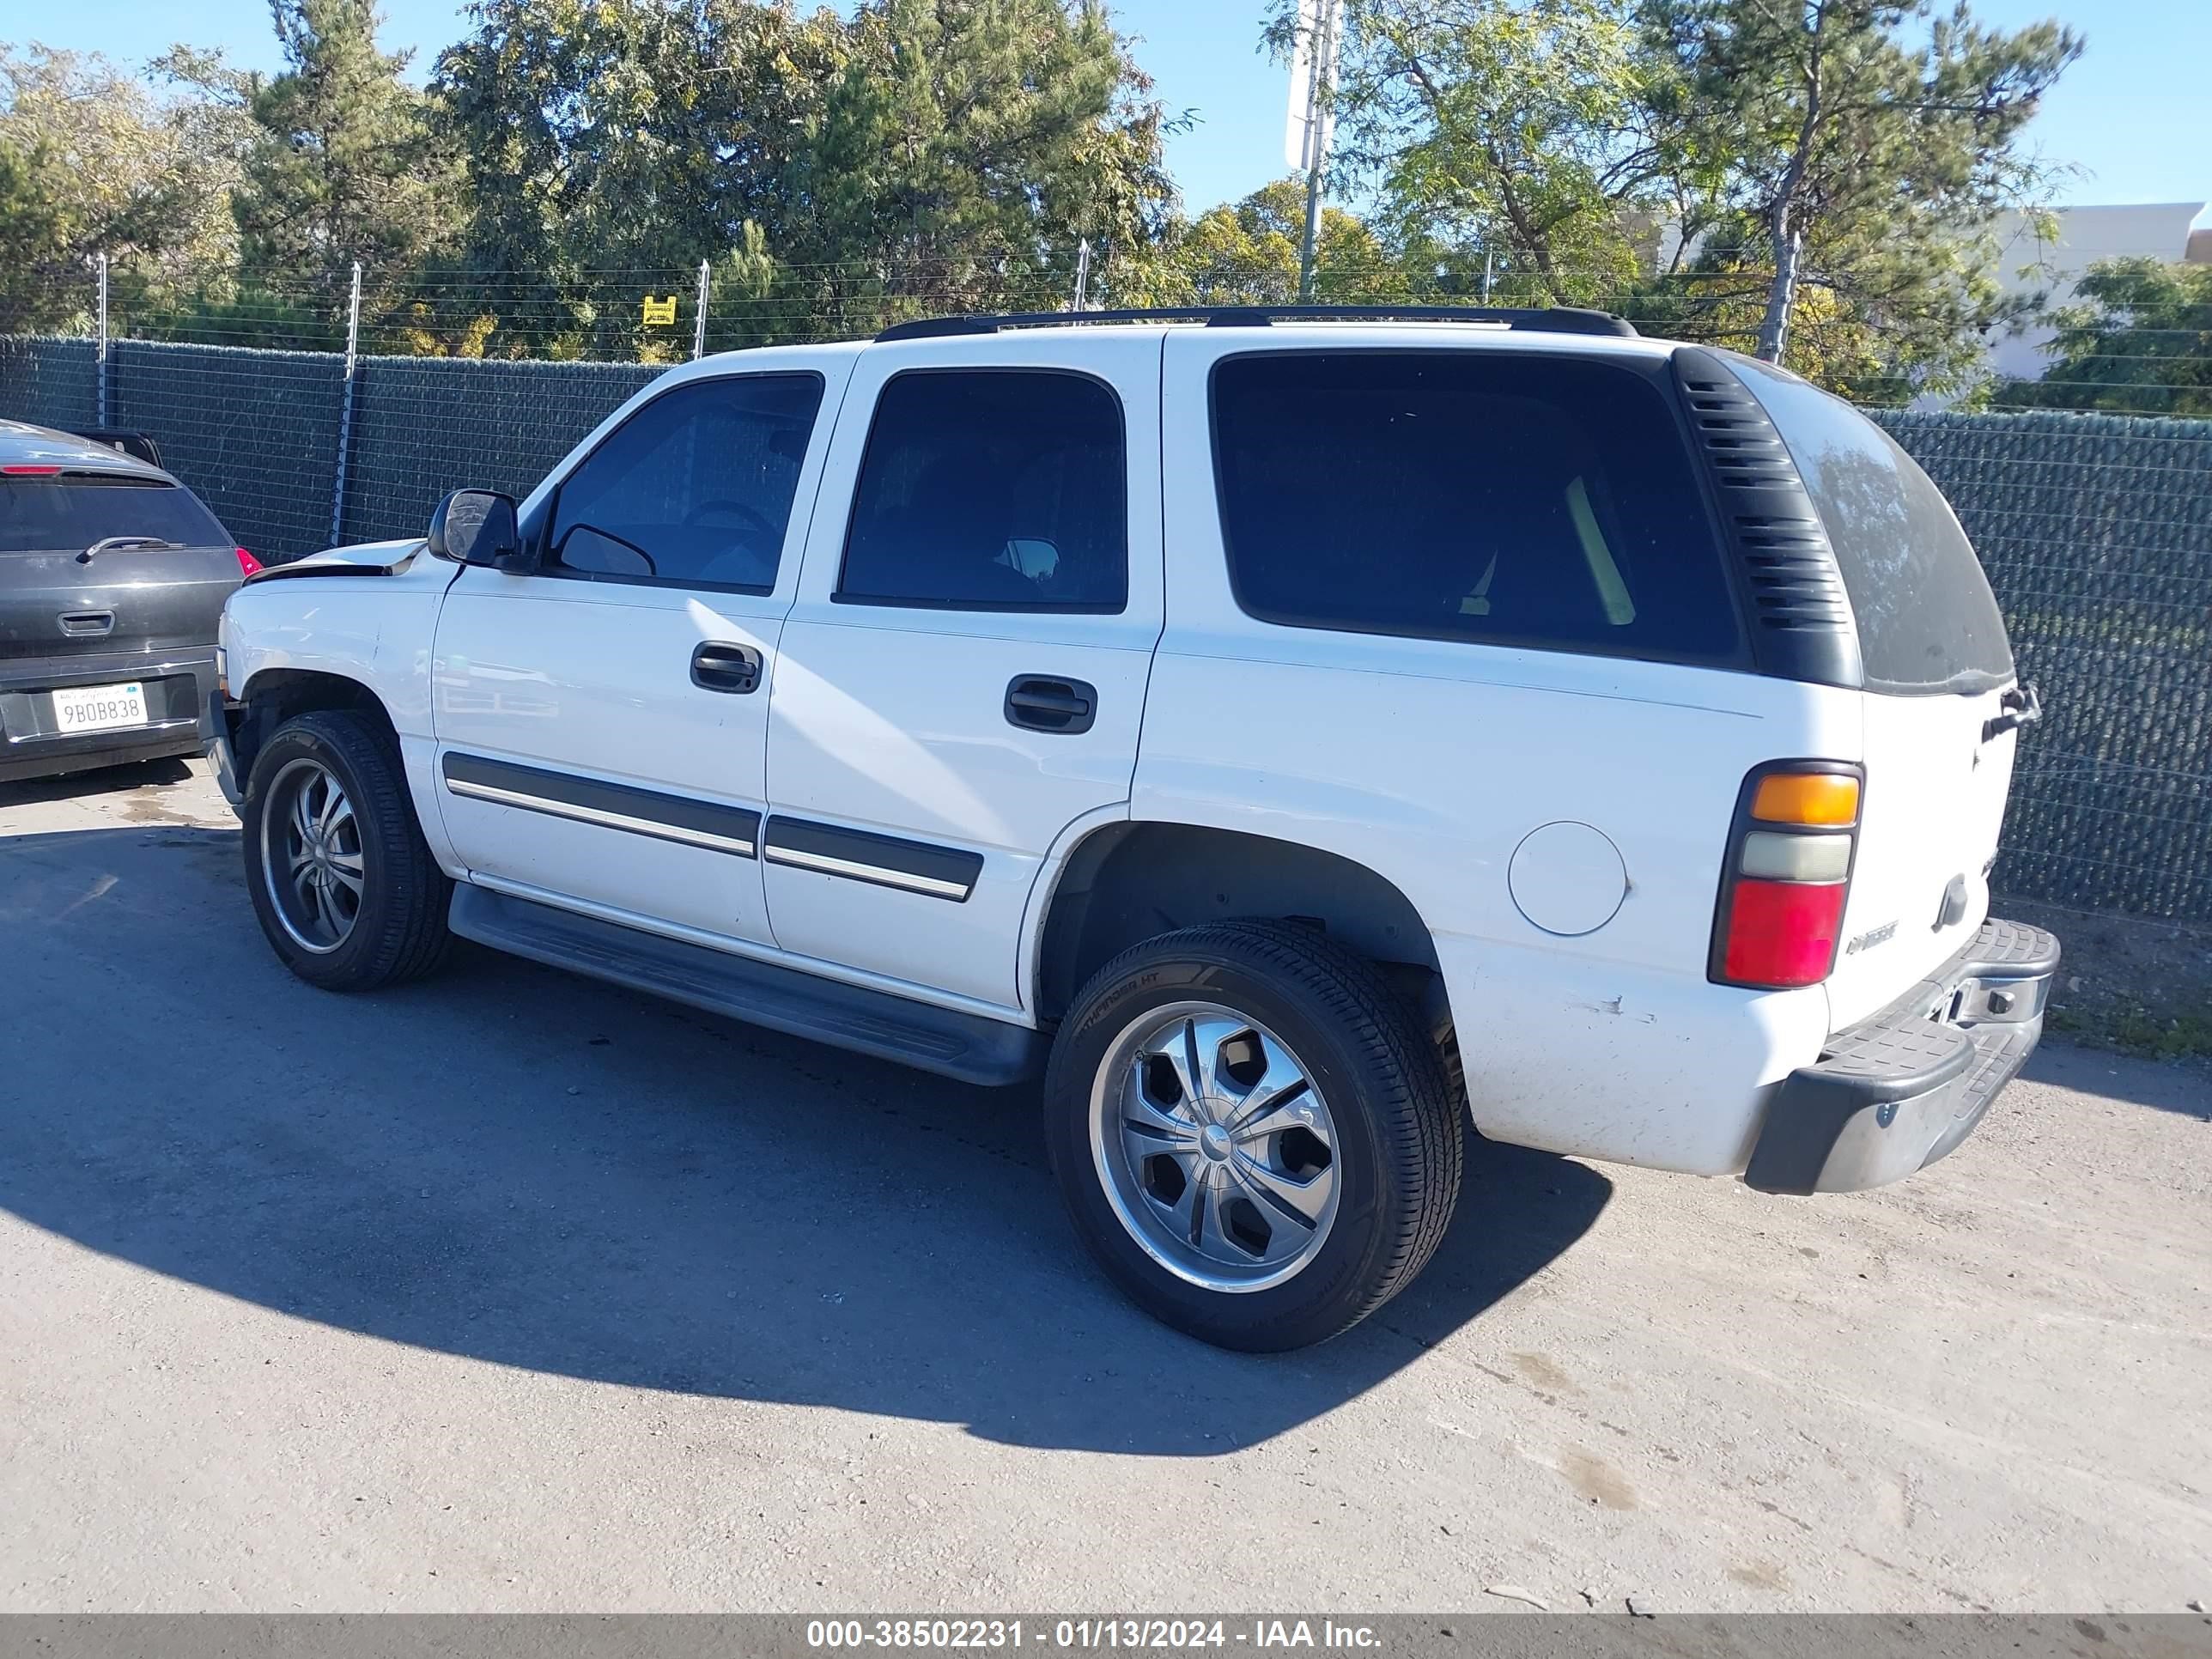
x=508, y=1291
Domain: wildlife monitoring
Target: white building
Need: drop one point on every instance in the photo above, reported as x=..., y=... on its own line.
x=2087, y=235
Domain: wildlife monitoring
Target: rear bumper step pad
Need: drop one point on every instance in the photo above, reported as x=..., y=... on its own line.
x=1894, y=1095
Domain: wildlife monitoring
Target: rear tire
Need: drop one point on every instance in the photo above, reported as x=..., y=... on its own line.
x=342, y=881
x=1253, y=1135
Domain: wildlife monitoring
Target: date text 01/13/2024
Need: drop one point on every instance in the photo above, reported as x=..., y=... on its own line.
x=1092, y=1633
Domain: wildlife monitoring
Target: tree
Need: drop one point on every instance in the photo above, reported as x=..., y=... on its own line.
x=2139, y=342
x=921, y=155
x=1247, y=254
x=1504, y=135
x=629, y=134
x=1866, y=147
x=1814, y=179
x=344, y=164
x=92, y=162
x=29, y=233
x=967, y=146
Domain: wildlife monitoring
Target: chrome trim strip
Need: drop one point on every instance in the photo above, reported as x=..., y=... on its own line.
x=875, y=872
x=160, y=728
x=561, y=808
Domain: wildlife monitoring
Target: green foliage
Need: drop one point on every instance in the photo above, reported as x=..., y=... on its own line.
x=967, y=146
x=1814, y=178
x=341, y=162
x=836, y=171
x=2165, y=1031
x=29, y=231
x=1860, y=148
x=2138, y=340
x=629, y=134
x=920, y=156
x=229, y=312
x=1505, y=134
x=92, y=161
x=1247, y=254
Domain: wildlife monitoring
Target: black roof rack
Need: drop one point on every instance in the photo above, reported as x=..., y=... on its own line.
x=1554, y=319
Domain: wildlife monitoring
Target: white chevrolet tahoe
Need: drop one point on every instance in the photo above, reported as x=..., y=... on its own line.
x=1298, y=737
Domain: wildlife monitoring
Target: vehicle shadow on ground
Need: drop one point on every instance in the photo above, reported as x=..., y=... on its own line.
x=103, y=781
x=2163, y=1086
x=512, y=1165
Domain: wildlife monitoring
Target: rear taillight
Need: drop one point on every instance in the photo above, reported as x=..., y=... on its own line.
x=247, y=564
x=1789, y=869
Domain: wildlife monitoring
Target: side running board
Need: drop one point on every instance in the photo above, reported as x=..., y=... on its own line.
x=968, y=1046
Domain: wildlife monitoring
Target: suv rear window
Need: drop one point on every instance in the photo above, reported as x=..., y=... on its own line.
x=68, y=514
x=1503, y=497
x=1927, y=620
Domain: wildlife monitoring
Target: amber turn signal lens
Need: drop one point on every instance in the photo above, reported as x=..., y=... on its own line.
x=1806, y=798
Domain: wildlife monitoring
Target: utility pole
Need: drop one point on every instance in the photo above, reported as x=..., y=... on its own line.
x=699, y=323
x=1313, y=117
x=345, y=410
x=1082, y=273
x=99, y=390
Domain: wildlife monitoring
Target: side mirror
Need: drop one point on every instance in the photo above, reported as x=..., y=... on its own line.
x=476, y=526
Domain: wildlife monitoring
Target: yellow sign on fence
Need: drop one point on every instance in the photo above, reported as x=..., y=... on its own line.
x=659, y=314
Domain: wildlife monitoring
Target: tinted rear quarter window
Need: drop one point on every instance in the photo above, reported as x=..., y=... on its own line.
x=991, y=490
x=68, y=514
x=1494, y=497
x=1927, y=620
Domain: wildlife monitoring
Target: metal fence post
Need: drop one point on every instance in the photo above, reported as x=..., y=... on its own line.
x=345, y=410
x=699, y=323
x=1082, y=273
x=99, y=382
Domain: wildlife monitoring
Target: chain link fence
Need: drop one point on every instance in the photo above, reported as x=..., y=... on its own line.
x=2096, y=531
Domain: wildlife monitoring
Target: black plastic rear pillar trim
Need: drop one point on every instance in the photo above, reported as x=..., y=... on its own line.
x=1801, y=617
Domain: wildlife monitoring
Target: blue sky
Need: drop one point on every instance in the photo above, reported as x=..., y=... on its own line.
x=2130, y=114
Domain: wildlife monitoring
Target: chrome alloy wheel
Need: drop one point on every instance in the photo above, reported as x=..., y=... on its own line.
x=1214, y=1148
x=311, y=856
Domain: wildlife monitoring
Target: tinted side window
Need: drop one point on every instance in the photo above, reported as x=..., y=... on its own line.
x=1927, y=620
x=67, y=515
x=695, y=488
x=991, y=490
x=1475, y=495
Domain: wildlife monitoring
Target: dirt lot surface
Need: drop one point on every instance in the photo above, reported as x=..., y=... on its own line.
x=510, y=1291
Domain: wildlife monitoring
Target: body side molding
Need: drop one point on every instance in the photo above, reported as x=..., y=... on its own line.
x=723, y=829
x=912, y=866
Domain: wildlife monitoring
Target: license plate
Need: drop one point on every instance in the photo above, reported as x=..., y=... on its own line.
x=97, y=708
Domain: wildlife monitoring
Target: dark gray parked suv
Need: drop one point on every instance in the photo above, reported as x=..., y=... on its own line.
x=112, y=577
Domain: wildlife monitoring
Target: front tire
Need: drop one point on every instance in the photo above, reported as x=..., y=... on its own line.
x=1252, y=1134
x=343, y=884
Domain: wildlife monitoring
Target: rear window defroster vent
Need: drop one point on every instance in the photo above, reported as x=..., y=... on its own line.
x=1803, y=617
